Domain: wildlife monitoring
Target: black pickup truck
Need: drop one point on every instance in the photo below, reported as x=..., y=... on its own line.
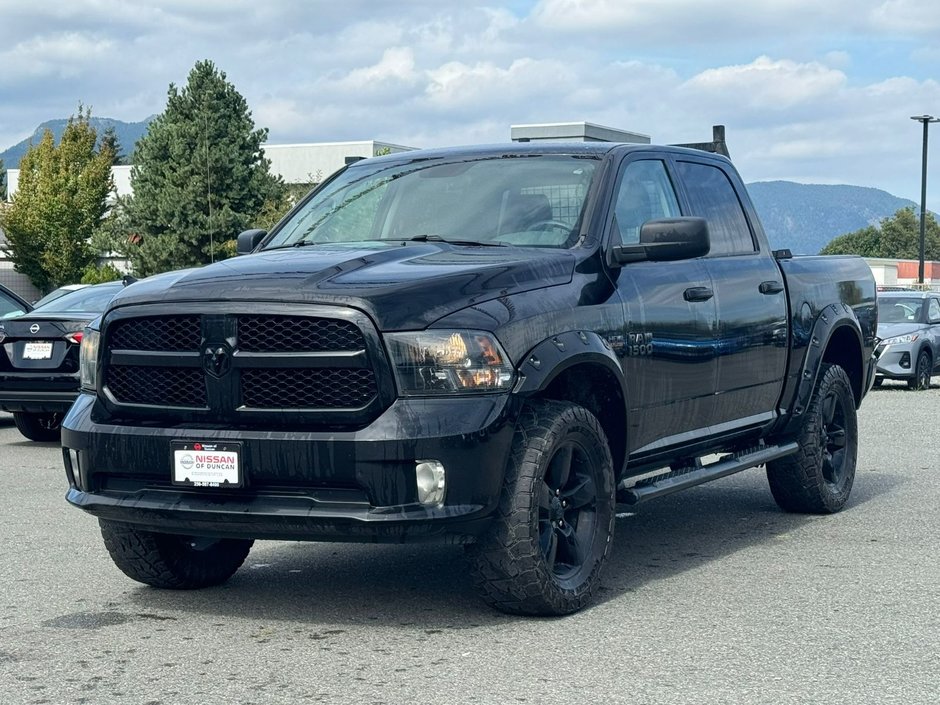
x=490, y=346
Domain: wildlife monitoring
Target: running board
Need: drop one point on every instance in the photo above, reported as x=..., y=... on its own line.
x=696, y=476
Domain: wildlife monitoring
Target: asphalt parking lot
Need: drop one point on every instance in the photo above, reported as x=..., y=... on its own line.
x=712, y=596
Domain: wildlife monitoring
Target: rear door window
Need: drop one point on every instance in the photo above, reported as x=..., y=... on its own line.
x=712, y=196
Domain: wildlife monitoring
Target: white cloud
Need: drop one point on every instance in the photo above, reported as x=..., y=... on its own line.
x=766, y=84
x=816, y=90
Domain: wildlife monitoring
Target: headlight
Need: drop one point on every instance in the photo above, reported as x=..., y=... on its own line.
x=88, y=360
x=897, y=340
x=433, y=362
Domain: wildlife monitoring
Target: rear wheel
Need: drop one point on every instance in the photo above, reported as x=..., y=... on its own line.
x=39, y=427
x=171, y=560
x=818, y=478
x=921, y=379
x=551, y=536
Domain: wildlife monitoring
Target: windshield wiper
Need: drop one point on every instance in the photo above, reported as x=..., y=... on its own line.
x=299, y=243
x=437, y=238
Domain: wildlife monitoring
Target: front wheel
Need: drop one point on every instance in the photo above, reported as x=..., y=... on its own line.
x=170, y=560
x=39, y=427
x=921, y=379
x=555, y=520
x=818, y=478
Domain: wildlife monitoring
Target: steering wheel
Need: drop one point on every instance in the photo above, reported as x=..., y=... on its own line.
x=551, y=225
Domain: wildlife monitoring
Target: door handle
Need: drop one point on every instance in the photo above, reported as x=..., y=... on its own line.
x=698, y=293
x=771, y=287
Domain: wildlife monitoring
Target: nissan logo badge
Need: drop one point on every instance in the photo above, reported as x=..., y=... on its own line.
x=34, y=328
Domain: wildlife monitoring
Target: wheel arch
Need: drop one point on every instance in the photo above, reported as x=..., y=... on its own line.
x=581, y=368
x=835, y=339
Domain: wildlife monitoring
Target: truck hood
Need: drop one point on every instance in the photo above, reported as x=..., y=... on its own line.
x=400, y=287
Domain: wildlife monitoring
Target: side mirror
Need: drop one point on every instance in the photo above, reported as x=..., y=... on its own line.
x=248, y=241
x=666, y=240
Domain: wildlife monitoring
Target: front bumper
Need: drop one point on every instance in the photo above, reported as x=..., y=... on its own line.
x=896, y=361
x=302, y=485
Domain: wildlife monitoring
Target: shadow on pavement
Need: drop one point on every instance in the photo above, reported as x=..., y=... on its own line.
x=429, y=586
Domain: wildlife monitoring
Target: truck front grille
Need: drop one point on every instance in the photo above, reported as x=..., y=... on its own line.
x=225, y=367
x=158, y=386
x=307, y=388
x=297, y=334
x=167, y=333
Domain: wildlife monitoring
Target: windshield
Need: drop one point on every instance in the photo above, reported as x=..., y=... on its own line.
x=898, y=310
x=91, y=299
x=532, y=201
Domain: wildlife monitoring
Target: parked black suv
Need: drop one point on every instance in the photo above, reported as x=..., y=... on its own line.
x=488, y=346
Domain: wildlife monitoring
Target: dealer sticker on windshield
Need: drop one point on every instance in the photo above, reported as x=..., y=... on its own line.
x=197, y=464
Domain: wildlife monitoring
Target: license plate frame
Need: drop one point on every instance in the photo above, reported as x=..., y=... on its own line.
x=220, y=466
x=37, y=350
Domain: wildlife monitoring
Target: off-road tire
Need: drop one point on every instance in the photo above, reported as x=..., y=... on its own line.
x=42, y=427
x=172, y=561
x=560, y=470
x=818, y=478
x=921, y=378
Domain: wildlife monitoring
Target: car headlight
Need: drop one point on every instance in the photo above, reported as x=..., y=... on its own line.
x=898, y=339
x=88, y=360
x=433, y=362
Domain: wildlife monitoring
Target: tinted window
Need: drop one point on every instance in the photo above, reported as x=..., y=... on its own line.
x=9, y=306
x=645, y=193
x=712, y=197
x=91, y=299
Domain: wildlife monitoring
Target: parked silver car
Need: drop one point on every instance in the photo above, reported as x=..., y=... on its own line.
x=909, y=328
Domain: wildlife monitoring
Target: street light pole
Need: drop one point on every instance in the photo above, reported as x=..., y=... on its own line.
x=925, y=120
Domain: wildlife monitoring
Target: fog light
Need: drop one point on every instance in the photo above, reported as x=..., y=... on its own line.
x=73, y=468
x=430, y=480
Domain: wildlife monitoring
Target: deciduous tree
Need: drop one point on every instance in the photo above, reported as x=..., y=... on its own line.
x=897, y=236
x=60, y=199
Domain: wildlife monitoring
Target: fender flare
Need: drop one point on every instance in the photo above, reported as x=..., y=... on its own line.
x=830, y=320
x=548, y=359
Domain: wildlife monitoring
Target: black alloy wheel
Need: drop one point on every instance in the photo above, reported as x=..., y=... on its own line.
x=833, y=438
x=552, y=529
x=818, y=478
x=567, y=511
x=921, y=378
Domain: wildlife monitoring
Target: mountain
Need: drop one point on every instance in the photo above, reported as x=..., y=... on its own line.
x=127, y=134
x=804, y=218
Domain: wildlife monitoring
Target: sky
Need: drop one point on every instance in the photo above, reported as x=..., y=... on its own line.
x=815, y=91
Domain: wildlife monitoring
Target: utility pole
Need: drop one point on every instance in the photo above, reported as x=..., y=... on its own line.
x=925, y=120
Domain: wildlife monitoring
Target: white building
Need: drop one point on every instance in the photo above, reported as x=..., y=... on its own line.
x=295, y=163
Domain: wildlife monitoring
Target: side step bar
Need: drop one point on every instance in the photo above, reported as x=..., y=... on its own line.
x=696, y=476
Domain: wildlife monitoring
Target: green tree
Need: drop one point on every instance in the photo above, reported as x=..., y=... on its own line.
x=897, y=236
x=109, y=141
x=199, y=177
x=61, y=197
x=100, y=273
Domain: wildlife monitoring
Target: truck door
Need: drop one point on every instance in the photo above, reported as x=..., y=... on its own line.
x=670, y=332
x=750, y=296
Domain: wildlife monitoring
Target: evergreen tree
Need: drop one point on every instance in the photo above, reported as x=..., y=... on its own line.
x=199, y=176
x=61, y=197
x=109, y=141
